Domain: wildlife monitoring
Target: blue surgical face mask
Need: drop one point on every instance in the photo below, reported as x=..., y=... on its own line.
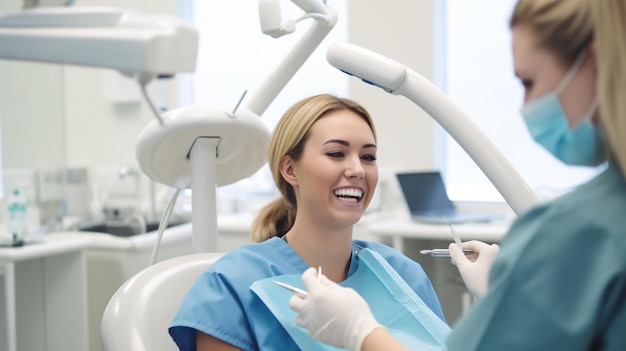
x=549, y=127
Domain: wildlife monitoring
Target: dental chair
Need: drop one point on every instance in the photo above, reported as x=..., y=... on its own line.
x=139, y=313
x=141, y=310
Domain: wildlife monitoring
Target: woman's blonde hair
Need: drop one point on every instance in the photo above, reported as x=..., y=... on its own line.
x=288, y=139
x=563, y=26
x=609, y=18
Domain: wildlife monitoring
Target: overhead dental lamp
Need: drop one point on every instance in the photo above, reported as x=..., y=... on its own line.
x=133, y=43
x=204, y=146
x=397, y=79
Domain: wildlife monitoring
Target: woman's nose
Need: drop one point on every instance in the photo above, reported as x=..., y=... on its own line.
x=355, y=169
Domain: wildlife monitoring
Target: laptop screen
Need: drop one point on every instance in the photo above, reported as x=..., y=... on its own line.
x=425, y=192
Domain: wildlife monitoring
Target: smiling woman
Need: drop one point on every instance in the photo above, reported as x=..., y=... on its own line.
x=340, y=155
x=322, y=156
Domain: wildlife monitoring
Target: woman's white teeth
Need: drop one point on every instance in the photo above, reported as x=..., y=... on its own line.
x=349, y=194
x=348, y=199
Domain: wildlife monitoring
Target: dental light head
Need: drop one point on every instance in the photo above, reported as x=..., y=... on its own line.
x=397, y=79
x=371, y=68
x=107, y=37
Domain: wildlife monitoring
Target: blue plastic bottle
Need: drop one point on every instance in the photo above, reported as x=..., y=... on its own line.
x=18, y=221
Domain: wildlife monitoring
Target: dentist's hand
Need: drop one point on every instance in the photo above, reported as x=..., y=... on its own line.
x=333, y=314
x=474, y=268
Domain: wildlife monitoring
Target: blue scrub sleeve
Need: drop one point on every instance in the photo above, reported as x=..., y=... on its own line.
x=214, y=308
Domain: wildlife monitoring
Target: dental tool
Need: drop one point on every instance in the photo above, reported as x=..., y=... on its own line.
x=439, y=253
x=455, y=236
x=298, y=291
x=442, y=253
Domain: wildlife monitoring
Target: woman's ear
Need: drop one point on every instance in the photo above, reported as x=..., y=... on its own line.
x=287, y=170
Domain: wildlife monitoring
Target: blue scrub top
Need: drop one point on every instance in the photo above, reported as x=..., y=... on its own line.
x=221, y=303
x=559, y=281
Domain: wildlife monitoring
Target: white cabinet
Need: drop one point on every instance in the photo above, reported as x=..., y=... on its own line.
x=43, y=296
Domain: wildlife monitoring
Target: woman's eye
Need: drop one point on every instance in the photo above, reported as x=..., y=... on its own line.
x=369, y=157
x=335, y=154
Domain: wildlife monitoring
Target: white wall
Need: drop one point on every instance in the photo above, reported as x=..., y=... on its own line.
x=31, y=111
x=401, y=30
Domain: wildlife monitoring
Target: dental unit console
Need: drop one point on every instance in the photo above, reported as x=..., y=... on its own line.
x=397, y=79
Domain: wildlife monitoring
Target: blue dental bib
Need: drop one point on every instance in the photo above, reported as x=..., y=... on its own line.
x=394, y=304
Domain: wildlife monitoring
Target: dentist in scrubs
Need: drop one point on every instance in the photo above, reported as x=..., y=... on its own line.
x=559, y=279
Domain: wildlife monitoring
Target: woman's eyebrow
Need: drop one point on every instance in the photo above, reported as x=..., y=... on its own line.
x=346, y=143
x=338, y=141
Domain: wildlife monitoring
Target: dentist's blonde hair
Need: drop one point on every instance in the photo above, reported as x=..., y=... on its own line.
x=563, y=26
x=288, y=139
x=610, y=39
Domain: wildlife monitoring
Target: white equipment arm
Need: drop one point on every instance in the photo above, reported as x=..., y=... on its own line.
x=271, y=24
x=397, y=79
x=107, y=37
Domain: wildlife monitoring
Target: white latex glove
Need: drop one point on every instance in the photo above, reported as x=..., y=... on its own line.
x=333, y=314
x=474, y=268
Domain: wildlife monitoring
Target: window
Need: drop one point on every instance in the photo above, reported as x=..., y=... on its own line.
x=235, y=56
x=479, y=78
x=1, y=164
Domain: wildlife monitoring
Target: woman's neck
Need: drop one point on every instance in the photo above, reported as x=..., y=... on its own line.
x=329, y=249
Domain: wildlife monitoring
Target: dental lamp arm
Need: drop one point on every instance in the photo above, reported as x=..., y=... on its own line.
x=324, y=21
x=107, y=37
x=397, y=79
